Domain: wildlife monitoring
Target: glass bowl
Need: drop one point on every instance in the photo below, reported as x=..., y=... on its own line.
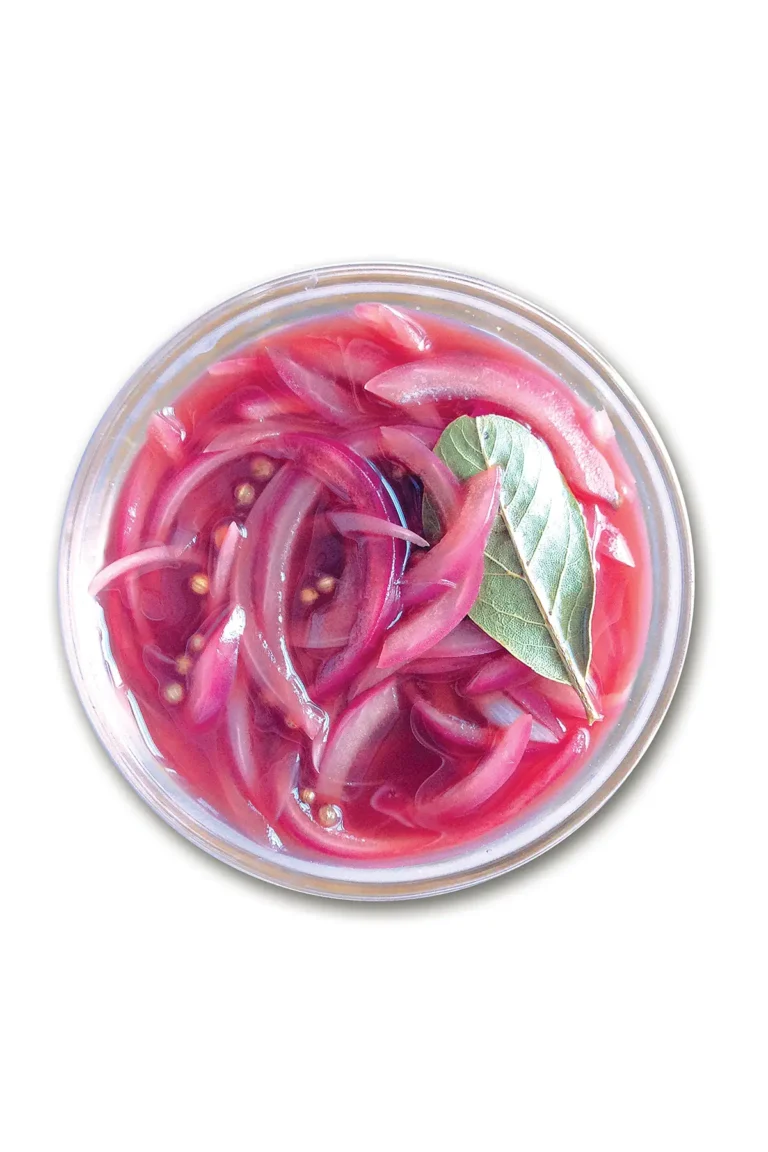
x=304, y=296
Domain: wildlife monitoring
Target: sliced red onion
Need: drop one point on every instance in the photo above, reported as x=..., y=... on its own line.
x=241, y=739
x=448, y=731
x=261, y=581
x=249, y=438
x=422, y=627
x=600, y=426
x=311, y=635
x=131, y=514
x=321, y=354
x=368, y=441
x=524, y=391
x=362, y=360
x=395, y=803
x=318, y=392
x=368, y=678
x=257, y=409
x=337, y=465
x=538, y=706
x=129, y=524
x=453, y=556
x=355, y=361
x=278, y=777
x=432, y=641
x=214, y=391
x=357, y=483
x=498, y=709
x=261, y=769
x=352, y=523
x=502, y=672
x=161, y=666
x=564, y=697
x=442, y=667
x=222, y=570
x=466, y=639
x=298, y=822
x=440, y=483
x=501, y=711
x=238, y=366
x=614, y=545
x=535, y=787
x=183, y=484
x=607, y=540
x=145, y=560
x=320, y=742
x=367, y=720
x=428, y=435
x=330, y=626
x=213, y=673
x=491, y=774
x=168, y=432
x=418, y=591
x=395, y=325
x=240, y=811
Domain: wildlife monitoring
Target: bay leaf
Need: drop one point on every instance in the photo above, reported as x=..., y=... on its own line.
x=538, y=591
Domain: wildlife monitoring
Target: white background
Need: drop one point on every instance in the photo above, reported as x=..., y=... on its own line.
x=604, y=159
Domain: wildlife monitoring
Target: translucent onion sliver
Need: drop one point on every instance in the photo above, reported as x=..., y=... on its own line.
x=145, y=560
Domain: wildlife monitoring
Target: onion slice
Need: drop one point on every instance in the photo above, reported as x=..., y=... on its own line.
x=183, y=484
x=607, y=540
x=166, y=430
x=442, y=486
x=368, y=720
x=423, y=626
x=491, y=774
x=357, y=483
x=362, y=360
x=368, y=441
x=539, y=707
x=261, y=582
x=146, y=560
x=466, y=639
x=317, y=391
x=502, y=672
x=532, y=788
x=213, y=673
x=248, y=437
x=523, y=390
x=263, y=408
x=237, y=366
x=297, y=822
x=454, y=555
x=448, y=731
x=502, y=711
x=222, y=570
x=351, y=523
x=395, y=803
x=394, y=325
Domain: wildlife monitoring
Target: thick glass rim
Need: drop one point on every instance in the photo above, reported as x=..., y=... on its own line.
x=176, y=363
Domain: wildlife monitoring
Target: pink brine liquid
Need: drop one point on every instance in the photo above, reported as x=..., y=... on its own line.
x=302, y=659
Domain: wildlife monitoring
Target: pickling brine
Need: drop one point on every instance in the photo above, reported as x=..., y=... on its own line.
x=376, y=585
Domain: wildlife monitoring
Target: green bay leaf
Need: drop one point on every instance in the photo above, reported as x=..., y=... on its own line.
x=538, y=591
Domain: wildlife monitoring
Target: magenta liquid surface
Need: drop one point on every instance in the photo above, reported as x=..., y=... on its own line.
x=254, y=652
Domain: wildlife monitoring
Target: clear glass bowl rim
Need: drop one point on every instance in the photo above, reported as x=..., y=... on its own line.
x=350, y=882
